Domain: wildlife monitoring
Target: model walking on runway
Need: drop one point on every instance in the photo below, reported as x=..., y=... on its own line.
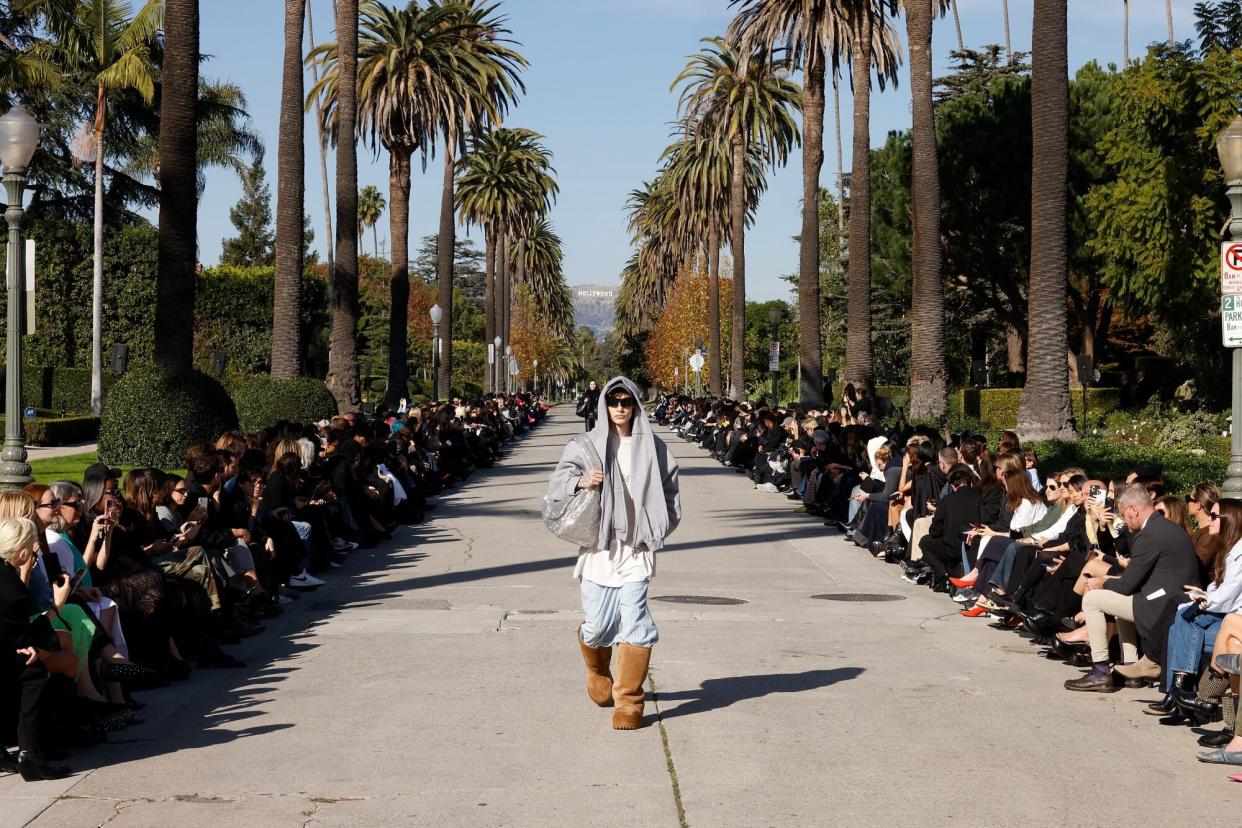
x=639, y=508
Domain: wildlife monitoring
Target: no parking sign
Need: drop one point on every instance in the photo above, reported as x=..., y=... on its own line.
x=1231, y=268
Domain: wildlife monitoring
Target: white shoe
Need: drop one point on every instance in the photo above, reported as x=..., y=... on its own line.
x=767, y=487
x=284, y=600
x=334, y=564
x=342, y=545
x=305, y=581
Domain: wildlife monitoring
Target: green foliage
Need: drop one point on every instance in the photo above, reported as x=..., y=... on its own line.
x=469, y=357
x=262, y=401
x=151, y=415
x=1183, y=470
x=997, y=408
x=1166, y=428
x=60, y=389
x=61, y=431
x=252, y=216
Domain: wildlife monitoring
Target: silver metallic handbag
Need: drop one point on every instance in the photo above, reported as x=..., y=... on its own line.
x=576, y=519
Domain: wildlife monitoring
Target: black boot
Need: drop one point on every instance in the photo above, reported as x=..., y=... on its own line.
x=33, y=768
x=8, y=764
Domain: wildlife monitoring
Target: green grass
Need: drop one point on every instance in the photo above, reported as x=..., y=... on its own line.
x=69, y=467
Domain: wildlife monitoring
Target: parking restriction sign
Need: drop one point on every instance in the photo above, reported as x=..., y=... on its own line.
x=1231, y=321
x=1231, y=268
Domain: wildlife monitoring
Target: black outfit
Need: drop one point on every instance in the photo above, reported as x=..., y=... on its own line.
x=942, y=545
x=29, y=684
x=1162, y=557
x=592, y=398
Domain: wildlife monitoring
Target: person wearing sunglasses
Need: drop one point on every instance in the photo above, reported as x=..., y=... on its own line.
x=1199, y=503
x=639, y=507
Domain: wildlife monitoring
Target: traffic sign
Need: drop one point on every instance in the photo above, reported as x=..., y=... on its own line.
x=30, y=412
x=696, y=362
x=1231, y=321
x=1231, y=268
x=774, y=356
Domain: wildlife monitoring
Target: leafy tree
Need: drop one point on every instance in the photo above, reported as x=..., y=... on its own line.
x=468, y=275
x=682, y=323
x=252, y=216
x=371, y=206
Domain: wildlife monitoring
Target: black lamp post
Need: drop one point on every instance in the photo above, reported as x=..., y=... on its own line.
x=775, y=315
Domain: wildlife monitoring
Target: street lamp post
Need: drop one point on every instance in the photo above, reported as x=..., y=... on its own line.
x=508, y=369
x=1229, y=147
x=18, y=135
x=535, y=367
x=775, y=315
x=496, y=367
x=437, y=313
x=698, y=373
x=685, y=363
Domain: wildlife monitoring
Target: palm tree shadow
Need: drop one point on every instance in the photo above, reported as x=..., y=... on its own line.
x=715, y=694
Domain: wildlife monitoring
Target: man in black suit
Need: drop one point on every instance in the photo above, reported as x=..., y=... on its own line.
x=955, y=514
x=1162, y=562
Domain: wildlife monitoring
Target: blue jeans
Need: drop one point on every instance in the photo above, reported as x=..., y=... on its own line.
x=617, y=615
x=1005, y=567
x=1188, y=641
x=304, y=532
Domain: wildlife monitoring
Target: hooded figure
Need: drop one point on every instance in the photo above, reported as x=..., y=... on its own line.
x=639, y=508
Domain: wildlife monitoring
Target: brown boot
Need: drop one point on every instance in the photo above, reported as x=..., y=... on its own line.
x=628, y=690
x=599, y=674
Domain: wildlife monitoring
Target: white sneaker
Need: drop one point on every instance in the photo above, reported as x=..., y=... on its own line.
x=305, y=581
x=767, y=487
x=342, y=545
x=284, y=600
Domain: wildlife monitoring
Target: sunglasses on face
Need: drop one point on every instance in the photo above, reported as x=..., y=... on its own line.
x=621, y=402
x=51, y=504
x=1214, y=515
x=1053, y=486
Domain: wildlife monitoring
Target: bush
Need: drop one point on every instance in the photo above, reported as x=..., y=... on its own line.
x=1183, y=470
x=998, y=407
x=262, y=401
x=151, y=415
x=62, y=431
x=1166, y=428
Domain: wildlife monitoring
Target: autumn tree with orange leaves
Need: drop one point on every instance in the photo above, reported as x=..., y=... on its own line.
x=682, y=323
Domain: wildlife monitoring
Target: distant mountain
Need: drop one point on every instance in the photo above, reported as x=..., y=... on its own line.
x=594, y=307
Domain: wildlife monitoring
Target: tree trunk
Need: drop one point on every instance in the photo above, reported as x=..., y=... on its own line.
x=928, y=378
x=97, y=276
x=323, y=150
x=1015, y=352
x=737, y=215
x=343, y=341
x=489, y=300
x=957, y=25
x=810, y=345
x=713, y=308
x=399, y=280
x=1008, y=42
x=858, y=367
x=1125, y=33
x=445, y=250
x=290, y=205
x=836, y=111
x=504, y=284
x=178, y=228
x=1045, y=411
x=1168, y=14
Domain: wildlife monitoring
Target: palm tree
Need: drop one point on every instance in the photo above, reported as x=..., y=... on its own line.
x=815, y=35
x=872, y=43
x=1125, y=33
x=1008, y=42
x=492, y=68
x=1045, y=411
x=957, y=25
x=370, y=207
x=178, y=241
x=290, y=205
x=342, y=377
x=746, y=99
x=928, y=380
x=1168, y=14
x=105, y=42
x=323, y=145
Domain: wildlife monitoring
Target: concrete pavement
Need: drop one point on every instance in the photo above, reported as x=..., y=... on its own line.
x=438, y=683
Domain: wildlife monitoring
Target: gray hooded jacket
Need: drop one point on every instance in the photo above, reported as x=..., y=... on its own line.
x=653, y=479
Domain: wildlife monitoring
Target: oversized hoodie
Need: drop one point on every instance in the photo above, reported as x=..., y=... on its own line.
x=653, y=479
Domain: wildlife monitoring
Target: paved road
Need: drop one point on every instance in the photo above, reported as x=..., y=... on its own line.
x=438, y=684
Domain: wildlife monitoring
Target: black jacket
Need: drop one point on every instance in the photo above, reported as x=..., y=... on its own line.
x=17, y=631
x=1162, y=562
x=954, y=516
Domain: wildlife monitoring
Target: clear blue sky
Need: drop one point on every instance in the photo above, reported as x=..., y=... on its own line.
x=598, y=89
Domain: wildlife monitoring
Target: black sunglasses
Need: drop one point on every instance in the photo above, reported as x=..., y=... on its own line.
x=621, y=402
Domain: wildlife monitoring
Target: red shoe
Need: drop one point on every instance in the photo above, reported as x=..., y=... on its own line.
x=974, y=612
x=962, y=583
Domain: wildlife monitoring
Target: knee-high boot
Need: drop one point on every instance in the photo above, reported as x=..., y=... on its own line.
x=627, y=688
x=599, y=673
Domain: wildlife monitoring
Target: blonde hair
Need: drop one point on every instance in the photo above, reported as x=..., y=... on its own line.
x=17, y=534
x=17, y=505
x=883, y=454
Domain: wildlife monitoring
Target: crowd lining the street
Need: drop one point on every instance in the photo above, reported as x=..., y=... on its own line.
x=119, y=583
x=1118, y=576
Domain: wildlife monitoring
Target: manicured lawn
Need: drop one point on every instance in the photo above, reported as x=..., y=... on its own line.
x=70, y=467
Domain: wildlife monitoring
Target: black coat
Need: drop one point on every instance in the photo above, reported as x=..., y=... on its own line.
x=1162, y=562
x=954, y=516
x=17, y=631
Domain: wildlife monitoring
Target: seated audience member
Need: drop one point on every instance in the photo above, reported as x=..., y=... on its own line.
x=955, y=515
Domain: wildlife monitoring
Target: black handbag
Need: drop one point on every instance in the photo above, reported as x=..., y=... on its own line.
x=584, y=406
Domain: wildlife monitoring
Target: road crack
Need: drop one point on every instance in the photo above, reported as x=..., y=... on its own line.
x=668, y=753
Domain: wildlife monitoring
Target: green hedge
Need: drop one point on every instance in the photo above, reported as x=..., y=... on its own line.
x=998, y=407
x=1183, y=470
x=898, y=395
x=262, y=401
x=59, y=431
x=56, y=388
x=151, y=415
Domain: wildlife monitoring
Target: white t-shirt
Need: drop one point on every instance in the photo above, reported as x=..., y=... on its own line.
x=620, y=563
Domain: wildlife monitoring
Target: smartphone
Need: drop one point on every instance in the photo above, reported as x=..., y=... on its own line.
x=202, y=503
x=109, y=504
x=51, y=564
x=77, y=579
x=1096, y=495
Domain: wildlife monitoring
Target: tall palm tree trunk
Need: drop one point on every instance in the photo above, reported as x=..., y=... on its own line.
x=810, y=345
x=737, y=216
x=928, y=381
x=957, y=26
x=343, y=340
x=178, y=229
x=323, y=149
x=97, y=269
x=290, y=205
x=399, y=279
x=1168, y=14
x=1125, y=33
x=858, y=367
x=504, y=275
x=713, y=308
x=1045, y=412
x=836, y=111
x=445, y=249
x=489, y=300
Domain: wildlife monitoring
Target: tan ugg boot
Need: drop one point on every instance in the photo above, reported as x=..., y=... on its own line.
x=599, y=674
x=627, y=689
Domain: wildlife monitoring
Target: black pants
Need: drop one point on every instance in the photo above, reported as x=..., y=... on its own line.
x=942, y=563
x=27, y=694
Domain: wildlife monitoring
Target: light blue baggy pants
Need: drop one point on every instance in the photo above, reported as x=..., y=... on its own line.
x=617, y=615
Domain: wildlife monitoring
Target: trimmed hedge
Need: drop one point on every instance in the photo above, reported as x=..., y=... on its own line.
x=151, y=415
x=1183, y=470
x=998, y=407
x=56, y=388
x=262, y=401
x=59, y=431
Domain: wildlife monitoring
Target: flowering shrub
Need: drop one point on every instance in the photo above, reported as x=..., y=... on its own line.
x=1167, y=428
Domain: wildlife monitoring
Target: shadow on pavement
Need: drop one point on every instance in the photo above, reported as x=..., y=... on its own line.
x=714, y=694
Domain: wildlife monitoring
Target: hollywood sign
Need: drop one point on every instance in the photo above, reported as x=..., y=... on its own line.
x=597, y=294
